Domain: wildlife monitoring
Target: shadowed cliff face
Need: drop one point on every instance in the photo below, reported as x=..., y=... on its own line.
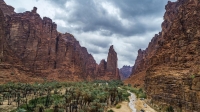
x=33, y=44
x=171, y=61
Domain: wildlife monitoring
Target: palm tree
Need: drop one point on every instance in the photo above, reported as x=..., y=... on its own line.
x=8, y=95
x=1, y=100
x=21, y=110
x=18, y=100
x=56, y=103
x=40, y=108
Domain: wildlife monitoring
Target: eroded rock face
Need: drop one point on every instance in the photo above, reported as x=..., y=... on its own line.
x=109, y=69
x=112, y=70
x=33, y=44
x=7, y=10
x=171, y=60
x=2, y=34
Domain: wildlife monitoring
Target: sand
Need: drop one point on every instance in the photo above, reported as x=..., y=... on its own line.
x=124, y=107
x=135, y=105
x=140, y=105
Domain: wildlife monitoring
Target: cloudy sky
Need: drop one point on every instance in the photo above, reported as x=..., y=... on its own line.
x=129, y=25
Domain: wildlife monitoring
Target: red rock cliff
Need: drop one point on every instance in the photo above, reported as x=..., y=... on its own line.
x=109, y=69
x=33, y=44
x=171, y=61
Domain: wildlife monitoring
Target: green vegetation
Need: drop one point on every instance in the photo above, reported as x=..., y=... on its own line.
x=138, y=92
x=110, y=110
x=94, y=96
x=170, y=109
x=192, y=76
x=118, y=106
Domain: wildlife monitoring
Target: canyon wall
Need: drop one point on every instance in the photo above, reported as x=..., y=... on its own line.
x=171, y=62
x=33, y=44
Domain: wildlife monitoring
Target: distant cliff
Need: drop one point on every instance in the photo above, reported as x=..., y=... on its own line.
x=32, y=45
x=125, y=72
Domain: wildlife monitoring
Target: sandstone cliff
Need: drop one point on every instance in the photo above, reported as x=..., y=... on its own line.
x=33, y=44
x=170, y=64
x=110, y=67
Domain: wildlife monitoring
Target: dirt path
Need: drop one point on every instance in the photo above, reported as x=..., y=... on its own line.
x=135, y=105
x=126, y=106
x=132, y=100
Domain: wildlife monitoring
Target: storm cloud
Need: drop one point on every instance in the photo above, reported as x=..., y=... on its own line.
x=129, y=25
x=123, y=17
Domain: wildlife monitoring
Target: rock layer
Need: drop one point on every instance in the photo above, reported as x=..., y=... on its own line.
x=33, y=44
x=171, y=60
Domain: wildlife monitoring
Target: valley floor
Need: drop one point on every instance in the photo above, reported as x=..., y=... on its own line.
x=134, y=106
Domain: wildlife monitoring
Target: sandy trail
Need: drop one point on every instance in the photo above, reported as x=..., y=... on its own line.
x=135, y=105
x=132, y=100
x=126, y=106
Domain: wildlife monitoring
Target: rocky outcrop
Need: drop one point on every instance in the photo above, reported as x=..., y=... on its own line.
x=7, y=10
x=33, y=44
x=171, y=60
x=109, y=69
x=125, y=72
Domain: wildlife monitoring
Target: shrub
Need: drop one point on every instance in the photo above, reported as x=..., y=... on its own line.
x=170, y=109
x=21, y=110
x=192, y=76
x=142, y=95
x=110, y=110
x=118, y=106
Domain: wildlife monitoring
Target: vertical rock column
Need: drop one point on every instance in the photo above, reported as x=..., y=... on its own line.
x=112, y=69
x=1, y=34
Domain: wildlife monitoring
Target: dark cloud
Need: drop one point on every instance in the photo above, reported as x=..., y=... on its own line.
x=100, y=43
x=97, y=50
x=91, y=15
x=134, y=8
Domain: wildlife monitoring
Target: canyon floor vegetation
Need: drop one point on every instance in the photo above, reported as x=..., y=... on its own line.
x=96, y=96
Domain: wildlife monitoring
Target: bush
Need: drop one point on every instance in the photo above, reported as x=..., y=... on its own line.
x=192, y=76
x=110, y=110
x=170, y=109
x=142, y=95
x=21, y=110
x=118, y=106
